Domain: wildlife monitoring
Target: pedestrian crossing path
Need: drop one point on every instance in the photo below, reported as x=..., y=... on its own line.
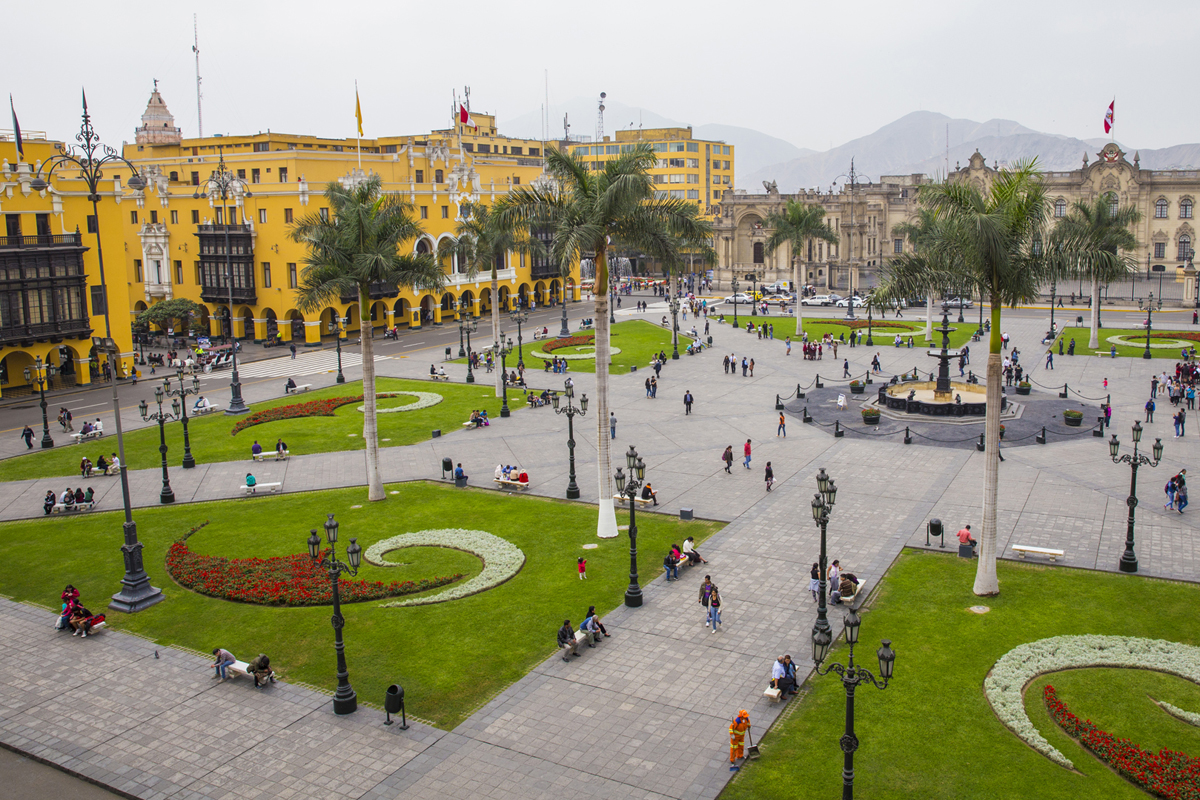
x=302, y=364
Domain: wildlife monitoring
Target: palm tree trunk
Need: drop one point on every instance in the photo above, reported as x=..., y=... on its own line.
x=1094, y=340
x=370, y=424
x=496, y=327
x=606, y=525
x=986, y=580
x=929, y=319
x=797, y=271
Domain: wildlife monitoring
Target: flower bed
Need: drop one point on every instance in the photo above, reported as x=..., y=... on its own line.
x=1008, y=678
x=424, y=400
x=573, y=356
x=1168, y=340
x=1166, y=774
x=501, y=559
x=323, y=408
x=571, y=341
x=294, y=580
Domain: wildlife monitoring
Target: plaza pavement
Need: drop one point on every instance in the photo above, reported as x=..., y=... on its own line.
x=645, y=714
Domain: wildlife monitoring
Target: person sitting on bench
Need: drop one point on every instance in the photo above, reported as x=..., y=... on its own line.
x=289, y=386
x=201, y=402
x=441, y=372
x=474, y=421
x=689, y=550
x=68, y=497
x=501, y=472
x=256, y=449
x=89, y=495
x=49, y=502
x=98, y=427
x=85, y=466
x=649, y=494
x=964, y=536
x=280, y=446
x=523, y=477
x=79, y=498
x=86, y=429
x=566, y=640
x=483, y=418
x=251, y=481
x=260, y=668
x=81, y=621
x=780, y=679
x=101, y=464
x=432, y=371
x=224, y=659
x=458, y=472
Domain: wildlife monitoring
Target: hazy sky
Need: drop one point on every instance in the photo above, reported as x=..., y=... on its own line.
x=814, y=74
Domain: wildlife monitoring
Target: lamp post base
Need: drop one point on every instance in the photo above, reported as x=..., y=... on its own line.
x=133, y=599
x=166, y=496
x=470, y=377
x=1128, y=563
x=633, y=598
x=346, y=703
x=572, y=492
x=47, y=442
x=188, y=461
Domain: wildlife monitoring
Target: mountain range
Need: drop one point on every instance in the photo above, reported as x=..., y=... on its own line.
x=914, y=144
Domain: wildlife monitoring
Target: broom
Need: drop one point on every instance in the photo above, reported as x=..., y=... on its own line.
x=752, y=749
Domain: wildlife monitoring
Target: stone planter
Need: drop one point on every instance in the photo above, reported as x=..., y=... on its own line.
x=871, y=418
x=1073, y=422
x=859, y=389
x=1024, y=389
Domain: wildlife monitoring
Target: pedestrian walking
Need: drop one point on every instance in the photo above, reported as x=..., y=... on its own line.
x=707, y=590
x=293, y=349
x=875, y=364
x=745, y=366
x=814, y=581
x=582, y=565
x=737, y=739
x=1181, y=497
x=725, y=364
x=746, y=451
x=1150, y=410
x=782, y=429
x=846, y=368
x=1050, y=359
x=687, y=403
x=733, y=364
x=647, y=387
x=727, y=457
x=653, y=387
x=612, y=424
x=1170, y=489
x=789, y=346
x=714, y=609
x=27, y=435
x=752, y=368
x=769, y=476
x=1106, y=384
x=1182, y=422
x=657, y=368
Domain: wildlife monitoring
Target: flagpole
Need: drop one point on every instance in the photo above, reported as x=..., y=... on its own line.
x=358, y=119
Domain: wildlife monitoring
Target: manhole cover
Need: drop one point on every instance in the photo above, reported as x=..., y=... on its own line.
x=979, y=609
x=590, y=546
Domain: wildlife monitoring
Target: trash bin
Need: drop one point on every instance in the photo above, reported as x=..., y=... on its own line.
x=447, y=466
x=447, y=353
x=393, y=698
x=710, y=341
x=1079, y=320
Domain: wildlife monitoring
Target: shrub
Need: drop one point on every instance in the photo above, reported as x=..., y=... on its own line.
x=871, y=415
x=1072, y=414
x=856, y=383
x=1024, y=385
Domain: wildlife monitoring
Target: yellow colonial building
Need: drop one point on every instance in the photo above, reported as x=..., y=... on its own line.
x=175, y=237
x=699, y=170
x=52, y=299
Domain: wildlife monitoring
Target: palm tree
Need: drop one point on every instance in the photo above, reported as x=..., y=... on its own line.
x=1092, y=237
x=584, y=208
x=481, y=244
x=981, y=240
x=356, y=246
x=798, y=224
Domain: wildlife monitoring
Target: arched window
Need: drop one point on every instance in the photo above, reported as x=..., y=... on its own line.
x=422, y=247
x=437, y=176
x=758, y=252
x=1112, y=203
x=1160, y=209
x=1060, y=208
x=1185, y=248
x=1185, y=209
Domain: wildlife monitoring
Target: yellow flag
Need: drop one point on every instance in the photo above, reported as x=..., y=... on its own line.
x=357, y=109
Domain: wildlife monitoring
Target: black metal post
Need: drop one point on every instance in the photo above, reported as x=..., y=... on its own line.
x=461, y=353
x=633, y=595
x=734, y=284
x=41, y=370
x=470, y=372
x=849, y=742
x=565, y=331
x=822, y=623
x=612, y=304
x=675, y=328
x=504, y=412
x=753, y=299
x=167, y=495
x=870, y=320
x=572, y=487
x=1129, y=562
x=337, y=331
x=345, y=700
x=183, y=393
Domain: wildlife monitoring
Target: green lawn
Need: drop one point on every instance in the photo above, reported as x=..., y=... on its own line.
x=1083, y=335
x=932, y=733
x=211, y=439
x=638, y=340
x=883, y=332
x=450, y=657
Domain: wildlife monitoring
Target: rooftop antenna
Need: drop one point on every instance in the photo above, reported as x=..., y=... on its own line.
x=947, y=149
x=196, y=50
x=600, y=119
x=566, y=128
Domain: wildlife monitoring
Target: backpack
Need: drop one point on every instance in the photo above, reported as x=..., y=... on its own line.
x=1170, y=487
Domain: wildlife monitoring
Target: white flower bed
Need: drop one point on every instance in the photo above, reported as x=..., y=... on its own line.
x=501, y=560
x=1168, y=344
x=1190, y=717
x=1005, y=684
x=574, y=356
x=424, y=400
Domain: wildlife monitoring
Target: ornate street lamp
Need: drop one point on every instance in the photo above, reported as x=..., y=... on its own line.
x=167, y=495
x=224, y=184
x=852, y=676
x=1129, y=562
x=1149, y=308
x=564, y=331
x=612, y=303
x=337, y=327
x=571, y=411
x=468, y=324
x=41, y=373
x=734, y=284
x=502, y=350
x=520, y=316
x=675, y=328
x=88, y=160
x=629, y=488
x=183, y=393
x=870, y=321
x=345, y=701
x=822, y=505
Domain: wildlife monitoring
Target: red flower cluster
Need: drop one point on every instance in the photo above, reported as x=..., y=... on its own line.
x=313, y=408
x=1195, y=337
x=570, y=341
x=1167, y=774
x=294, y=580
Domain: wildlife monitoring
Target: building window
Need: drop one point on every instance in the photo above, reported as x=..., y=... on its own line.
x=904, y=194
x=516, y=180
x=98, y=305
x=445, y=212
x=199, y=281
x=1185, y=209
x=1160, y=209
x=420, y=176
x=174, y=217
x=1160, y=249
x=242, y=174
x=758, y=252
x=262, y=147
x=266, y=275
x=133, y=217
x=283, y=174
x=1060, y=208
x=262, y=216
x=675, y=147
x=195, y=217
x=195, y=179
x=287, y=216
x=675, y=162
x=717, y=180
x=1185, y=247
x=470, y=148
x=179, y=273
x=693, y=194
x=693, y=178
x=153, y=217
x=678, y=194
x=725, y=180
x=675, y=178
x=1113, y=204
x=612, y=149
x=254, y=176
x=693, y=147
x=292, y=275
x=897, y=246
x=693, y=163
x=716, y=194
x=137, y=267
x=535, y=151
x=174, y=177
x=324, y=212
x=424, y=212
x=516, y=151
x=437, y=176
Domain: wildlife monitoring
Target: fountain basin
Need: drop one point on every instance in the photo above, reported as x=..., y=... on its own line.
x=927, y=401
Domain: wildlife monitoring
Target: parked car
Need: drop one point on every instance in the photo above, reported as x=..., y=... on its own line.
x=816, y=300
x=958, y=302
x=741, y=298
x=844, y=302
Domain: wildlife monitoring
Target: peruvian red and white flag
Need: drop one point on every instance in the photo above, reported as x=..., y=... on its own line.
x=1108, y=117
x=464, y=116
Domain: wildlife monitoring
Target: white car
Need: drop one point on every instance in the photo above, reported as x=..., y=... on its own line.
x=958, y=302
x=816, y=300
x=844, y=302
x=741, y=298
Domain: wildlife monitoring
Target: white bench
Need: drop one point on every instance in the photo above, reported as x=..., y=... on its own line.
x=513, y=484
x=279, y=456
x=210, y=409
x=243, y=668
x=640, y=500
x=59, y=508
x=83, y=437
x=1022, y=549
x=775, y=694
x=268, y=487
x=95, y=473
x=304, y=387
x=440, y=378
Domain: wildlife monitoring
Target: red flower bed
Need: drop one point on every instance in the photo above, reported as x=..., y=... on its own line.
x=313, y=408
x=294, y=580
x=1166, y=774
x=570, y=341
x=1194, y=337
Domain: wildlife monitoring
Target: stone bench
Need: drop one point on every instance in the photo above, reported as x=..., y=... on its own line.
x=279, y=455
x=1022, y=549
x=512, y=484
x=640, y=500
x=93, y=472
x=303, y=387
x=243, y=668
x=59, y=508
x=202, y=410
x=440, y=378
x=267, y=487
x=83, y=437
